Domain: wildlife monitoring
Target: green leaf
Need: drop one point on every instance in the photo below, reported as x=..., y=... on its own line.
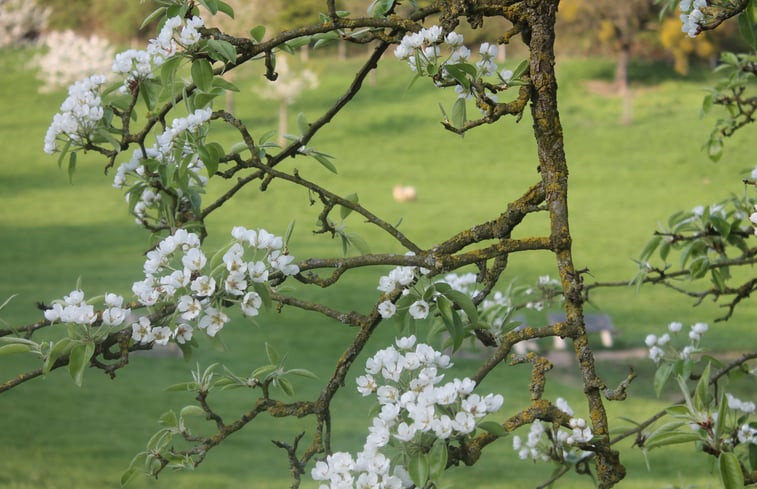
x=288, y=232
x=263, y=371
x=219, y=82
x=358, y=242
x=14, y=348
x=302, y=123
x=223, y=50
x=753, y=456
x=649, y=248
x=661, y=377
x=465, y=303
x=202, y=74
x=191, y=410
x=730, y=471
x=257, y=33
x=211, y=5
x=494, y=428
x=702, y=396
x=419, y=469
x=722, y=414
x=271, y=353
x=154, y=15
x=225, y=8
x=715, y=149
x=706, y=105
x=520, y=69
x=673, y=438
x=166, y=173
x=298, y=42
x=150, y=91
x=325, y=161
x=437, y=459
x=78, y=361
x=460, y=74
x=459, y=115
x=285, y=386
x=264, y=293
x=302, y=373
x=60, y=348
x=345, y=211
x=747, y=28
x=128, y=475
x=71, y=166
x=159, y=440
x=168, y=419
x=182, y=386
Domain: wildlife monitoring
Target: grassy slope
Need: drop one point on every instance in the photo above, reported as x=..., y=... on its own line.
x=624, y=179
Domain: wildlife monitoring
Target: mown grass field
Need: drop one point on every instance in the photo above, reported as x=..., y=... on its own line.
x=624, y=179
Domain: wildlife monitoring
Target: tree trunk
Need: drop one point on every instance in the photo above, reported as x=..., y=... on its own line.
x=283, y=106
x=621, y=83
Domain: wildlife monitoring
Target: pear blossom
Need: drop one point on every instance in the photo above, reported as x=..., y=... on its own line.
x=419, y=309
x=213, y=321
x=183, y=333
x=387, y=309
x=251, y=303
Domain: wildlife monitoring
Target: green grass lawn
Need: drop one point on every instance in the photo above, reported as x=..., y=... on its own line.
x=624, y=179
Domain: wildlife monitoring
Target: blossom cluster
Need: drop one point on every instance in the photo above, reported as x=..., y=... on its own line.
x=21, y=21
x=543, y=443
x=415, y=411
x=69, y=57
x=753, y=219
x=74, y=309
x=177, y=146
x=422, y=51
x=178, y=272
x=402, y=278
x=139, y=64
x=692, y=16
x=661, y=349
x=79, y=114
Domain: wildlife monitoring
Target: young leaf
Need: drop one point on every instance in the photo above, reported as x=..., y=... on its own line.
x=168, y=419
x=520, y=69
x=71, y=166
x=701, y=392
x=730, y=471
x=14, y=348
x=273, y=355
x=225, y=8
x=257, y=33
x=465, y=303
x=302, y=123
x=56, y=351
x=323, y=160
x=459, y=115
x=493, y=427
x=661, y=377
x=191, y=410
x=78, y=361
x=358, y=242
x=419, y=469
x=288, y=233
x=154, y=15
x=182, y=386
x=437, y=459
x=302, y=373
x=224, y=50
x=202, y=74
x=150, y=90
x=285, y=386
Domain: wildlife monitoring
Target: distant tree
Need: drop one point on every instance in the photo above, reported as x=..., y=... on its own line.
x=616, y=25
x=114, y=19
